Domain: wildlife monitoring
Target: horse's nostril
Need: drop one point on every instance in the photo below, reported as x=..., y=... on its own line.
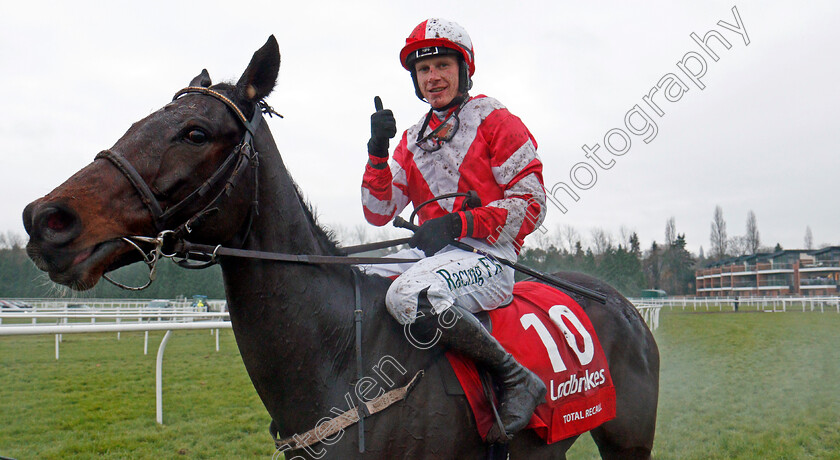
x=56, y=224
x=59, y=221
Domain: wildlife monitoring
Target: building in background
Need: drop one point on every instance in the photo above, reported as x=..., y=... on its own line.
x=786, y=272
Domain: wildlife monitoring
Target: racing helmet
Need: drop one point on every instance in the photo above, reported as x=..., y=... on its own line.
x=438, y=37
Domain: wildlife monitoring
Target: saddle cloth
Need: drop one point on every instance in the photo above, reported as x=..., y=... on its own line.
x=549, y=333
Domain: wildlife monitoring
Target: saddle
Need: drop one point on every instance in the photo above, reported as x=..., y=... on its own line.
x=549, y=333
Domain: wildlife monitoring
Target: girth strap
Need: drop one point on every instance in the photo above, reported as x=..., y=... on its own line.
x=325, y=429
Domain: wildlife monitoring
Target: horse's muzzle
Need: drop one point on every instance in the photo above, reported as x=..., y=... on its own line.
x=54, y=224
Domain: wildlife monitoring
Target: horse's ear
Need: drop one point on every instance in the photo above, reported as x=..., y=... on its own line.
x=202, y=79
x=261, y=75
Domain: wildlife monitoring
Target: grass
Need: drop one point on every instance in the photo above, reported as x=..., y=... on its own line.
x=746, y=386
x=733, y=386
x=98, y=400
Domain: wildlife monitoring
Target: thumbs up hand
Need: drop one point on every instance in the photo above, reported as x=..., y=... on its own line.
x=383, y=126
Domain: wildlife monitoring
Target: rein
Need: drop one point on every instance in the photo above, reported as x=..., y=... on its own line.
x=185, y=247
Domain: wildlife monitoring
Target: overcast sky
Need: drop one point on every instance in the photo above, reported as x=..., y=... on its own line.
x=759, y=135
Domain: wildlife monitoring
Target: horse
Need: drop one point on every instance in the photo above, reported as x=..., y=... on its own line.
x=185, y=170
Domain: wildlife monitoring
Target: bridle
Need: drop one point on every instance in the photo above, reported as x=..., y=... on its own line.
x=171, y=242
x=242, y=155
x=231, y=171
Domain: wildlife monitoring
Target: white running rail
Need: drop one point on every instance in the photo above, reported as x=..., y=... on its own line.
x=149, y=320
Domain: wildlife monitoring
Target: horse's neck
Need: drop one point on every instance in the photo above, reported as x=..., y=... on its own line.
x=285, y=225
x=293, y=322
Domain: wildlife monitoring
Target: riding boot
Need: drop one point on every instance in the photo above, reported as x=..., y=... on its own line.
x=522, y=390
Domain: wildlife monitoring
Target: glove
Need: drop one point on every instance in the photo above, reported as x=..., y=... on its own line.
x=383, y=126
x=435, y=234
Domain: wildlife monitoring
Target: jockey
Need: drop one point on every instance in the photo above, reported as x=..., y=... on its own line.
x=462, y=144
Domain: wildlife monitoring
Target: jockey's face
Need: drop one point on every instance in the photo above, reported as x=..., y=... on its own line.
x=437, y=78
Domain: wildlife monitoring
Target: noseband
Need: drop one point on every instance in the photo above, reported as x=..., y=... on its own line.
x=242, y=156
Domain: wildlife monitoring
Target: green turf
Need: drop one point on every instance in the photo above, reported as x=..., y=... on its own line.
x=98, y=400
x=746, y=386
x=733, y=386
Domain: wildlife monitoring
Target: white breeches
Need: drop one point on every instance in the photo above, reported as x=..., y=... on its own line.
x=452, y=276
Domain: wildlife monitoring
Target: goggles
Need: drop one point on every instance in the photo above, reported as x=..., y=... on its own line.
x=433, y=141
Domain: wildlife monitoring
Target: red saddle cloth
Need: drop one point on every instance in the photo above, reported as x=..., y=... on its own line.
x=549, y=333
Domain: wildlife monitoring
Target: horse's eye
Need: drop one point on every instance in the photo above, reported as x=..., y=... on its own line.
x=196, y=136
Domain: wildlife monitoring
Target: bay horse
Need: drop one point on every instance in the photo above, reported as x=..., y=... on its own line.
x=294, y=322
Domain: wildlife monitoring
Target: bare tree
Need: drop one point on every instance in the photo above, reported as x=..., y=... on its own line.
x=670, y=231
x=570, y=237
x=718, y=237
x=626, y=236
x=753, y=240
x=601, y=240
x=739, y=246
x=809, y=238
x=539, y=239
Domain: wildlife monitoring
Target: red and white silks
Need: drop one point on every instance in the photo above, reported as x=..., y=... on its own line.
x=492, y=153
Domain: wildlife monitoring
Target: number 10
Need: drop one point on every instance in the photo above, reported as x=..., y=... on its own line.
x=557, y=313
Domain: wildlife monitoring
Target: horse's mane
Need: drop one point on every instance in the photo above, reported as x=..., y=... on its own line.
x=327, y=238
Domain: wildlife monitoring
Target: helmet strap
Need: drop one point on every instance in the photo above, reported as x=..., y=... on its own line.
x=455, y=102
x=464, y=81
